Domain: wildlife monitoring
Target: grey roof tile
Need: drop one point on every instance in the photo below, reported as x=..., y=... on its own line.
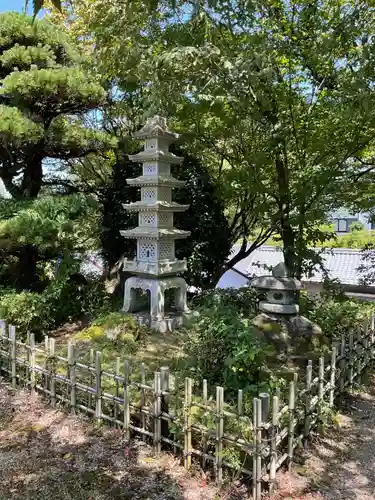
x=341, y=263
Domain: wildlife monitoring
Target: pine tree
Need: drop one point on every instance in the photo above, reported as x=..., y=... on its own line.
x=44, y=95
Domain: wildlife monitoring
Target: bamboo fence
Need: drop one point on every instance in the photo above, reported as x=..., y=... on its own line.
x=185, y=417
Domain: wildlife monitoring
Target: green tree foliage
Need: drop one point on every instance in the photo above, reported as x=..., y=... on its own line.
x=277, y=96
x=45, y=229
x=208, y=247
x=44, y=95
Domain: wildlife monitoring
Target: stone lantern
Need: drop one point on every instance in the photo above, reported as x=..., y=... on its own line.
x=278, y=321
x=280, y=291
x=155, y=264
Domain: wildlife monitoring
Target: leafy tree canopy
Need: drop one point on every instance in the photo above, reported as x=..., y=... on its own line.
x=277, y=97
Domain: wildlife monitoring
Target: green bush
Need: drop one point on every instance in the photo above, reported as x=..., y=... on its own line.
x=223, y=347
x=335, y=313
x=356, y=226
x=241, y=300
x=62, y=300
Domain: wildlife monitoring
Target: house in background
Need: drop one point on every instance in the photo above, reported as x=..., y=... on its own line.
x=341, y=264
x=342, y=220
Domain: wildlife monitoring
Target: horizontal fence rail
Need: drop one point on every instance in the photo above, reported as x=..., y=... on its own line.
x=188, y=418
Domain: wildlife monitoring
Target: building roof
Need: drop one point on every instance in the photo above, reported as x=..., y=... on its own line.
x=341, y=264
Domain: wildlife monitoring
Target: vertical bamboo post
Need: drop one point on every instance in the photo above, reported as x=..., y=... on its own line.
x=72, y=376
x=320, y=388
x=365, y=349
x=333, y=377
x=342, y=365
x=273, y=462
x=265, y=410
x=91, y=377
x=126, y=400
x=46, y=358
x=265, y=400
x=351, y=359
x=291, y=405
x=240, y=403
x=98, y=387
x=176, y=393
x=157, y=412
x=2, y=334
x=12, y=335
x=219, y=434
x=32, y=363
x=164, y=373
x=205, y=422
x=187, y=412
x=307, y=426
x=27, y=373
x=255, y=446
x=358, y=354
x=117, y=387
x=53, y=371
x=9, y=349
x=259, y=450
x=143, y=400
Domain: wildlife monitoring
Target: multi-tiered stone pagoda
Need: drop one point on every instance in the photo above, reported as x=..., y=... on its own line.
x=155, y=264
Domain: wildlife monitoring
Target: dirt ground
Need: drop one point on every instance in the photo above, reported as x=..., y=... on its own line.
x=45, y=454
x=340, y=465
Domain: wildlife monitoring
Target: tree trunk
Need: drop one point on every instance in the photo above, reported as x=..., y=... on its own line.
x=32, y=178
x=286, y=230
x=26, y=270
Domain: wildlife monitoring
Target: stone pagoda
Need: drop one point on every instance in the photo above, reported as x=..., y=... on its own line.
x=155, y=264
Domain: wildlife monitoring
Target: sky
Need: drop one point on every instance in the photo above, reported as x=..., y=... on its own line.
x=13, y=5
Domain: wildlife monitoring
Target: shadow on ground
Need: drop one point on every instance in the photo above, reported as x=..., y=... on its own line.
x=341, y=464
x=45, y=454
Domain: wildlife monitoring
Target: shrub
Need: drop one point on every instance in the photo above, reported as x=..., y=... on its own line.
x=223, y=347
x=336, y=314
x=241, y=300
x=62, y=300
x=356, y=226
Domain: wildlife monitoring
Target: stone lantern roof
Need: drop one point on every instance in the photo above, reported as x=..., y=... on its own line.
x=278, y=281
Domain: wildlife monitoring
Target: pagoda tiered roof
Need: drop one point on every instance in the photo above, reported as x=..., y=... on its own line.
x=156, y=127
x=151, y=232
x=160, y=180
x=158, y=206
x=157, y=155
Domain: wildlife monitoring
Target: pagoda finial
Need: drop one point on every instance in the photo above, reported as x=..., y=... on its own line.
x=156, y=127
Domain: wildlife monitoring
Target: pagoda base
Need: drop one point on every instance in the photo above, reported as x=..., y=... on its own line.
x=157, y=318
x=170, y=322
